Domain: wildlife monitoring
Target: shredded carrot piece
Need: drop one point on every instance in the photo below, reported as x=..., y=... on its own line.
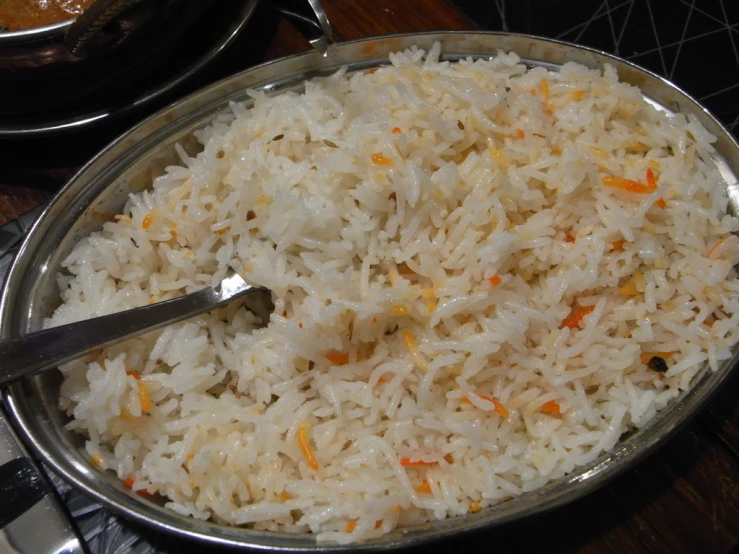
x=398, y=310
x=128, y=483
x=133, y=374
x=715, y=247
x=427, y=293
x=147, y=221
x=396, y=131
x=629, y=289
x=379, y=159
x=374, y=319
x=661, y=203
x=449, y=458
x=127, y=416
x=350, y=526
x=300, y=325
x=424, y=488
x=378, y=524
x=577, y=94
x=474, y=507
x=222, y=231
x=338, y=358
x=495, y=280
x=626, y=184
x=430, y=306
x=574, y=319
x=651, y=181
x=550, y=407
x=305, y=447
x=654, y=164
x=618, y=244
x=598, y=151
x=410, y=343
x=533, y=92
x=646, y=356
x=569, y=238
x=97, y=460
x=521, y=133
x=397, y=508
x=499, y=408
x=545, y=88
x=285, y=496
x=144, y=398
x=406, y=462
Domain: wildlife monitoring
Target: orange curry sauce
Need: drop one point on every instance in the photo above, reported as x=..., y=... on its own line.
x=16, y=15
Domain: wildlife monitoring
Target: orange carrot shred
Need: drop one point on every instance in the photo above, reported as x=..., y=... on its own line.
x=379, y=159
x=626, y=184
x=338, y=358
x=378, y=524
x=144, y=399
x=550, y=407
x=128, y=483
x=97, y=460
x=715, y=246
x=300, y=325
x=424, y=488
x=574, y=319
x=495, y=280
x=661, y=203
x=350, y=526
x=306, y=448
x=521, y=133
x=374, y=319
x=133, y=374
x=147, y=221
x=651, y=181
x=396, y=131
x=569, y=238
x=618, y=244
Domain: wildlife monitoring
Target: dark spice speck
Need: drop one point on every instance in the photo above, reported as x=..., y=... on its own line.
x=657, y=364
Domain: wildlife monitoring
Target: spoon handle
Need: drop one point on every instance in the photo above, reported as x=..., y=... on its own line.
x=51, y=347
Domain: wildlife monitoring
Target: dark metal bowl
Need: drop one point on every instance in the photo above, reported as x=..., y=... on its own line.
x=32, y=60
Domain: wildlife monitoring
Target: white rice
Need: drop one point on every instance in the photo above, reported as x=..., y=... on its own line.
x=376, y=207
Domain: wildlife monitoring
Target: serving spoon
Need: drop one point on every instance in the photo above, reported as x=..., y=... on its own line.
x=47, y=349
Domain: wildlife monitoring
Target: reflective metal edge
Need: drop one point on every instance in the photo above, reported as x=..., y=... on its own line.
x=101, y=187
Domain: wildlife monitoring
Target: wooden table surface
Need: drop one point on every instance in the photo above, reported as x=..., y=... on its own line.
x=683, y=498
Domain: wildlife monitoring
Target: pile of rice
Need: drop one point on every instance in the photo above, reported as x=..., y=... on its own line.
x=473, y=274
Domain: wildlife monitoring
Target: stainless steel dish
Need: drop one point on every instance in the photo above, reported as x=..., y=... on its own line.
x=101, y=188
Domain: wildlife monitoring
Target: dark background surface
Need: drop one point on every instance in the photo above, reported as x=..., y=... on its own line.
x=684, y=497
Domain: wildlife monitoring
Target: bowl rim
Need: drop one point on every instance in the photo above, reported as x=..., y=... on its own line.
x=41, y=32
x=578, y=483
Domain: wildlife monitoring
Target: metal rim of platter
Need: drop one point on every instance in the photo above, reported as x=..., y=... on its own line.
x=103, y=184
